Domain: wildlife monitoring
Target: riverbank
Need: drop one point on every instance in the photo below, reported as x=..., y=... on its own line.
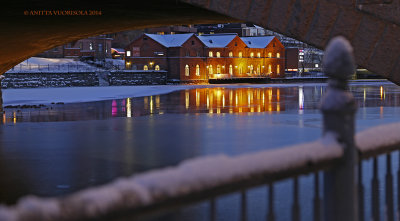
x=87, y=94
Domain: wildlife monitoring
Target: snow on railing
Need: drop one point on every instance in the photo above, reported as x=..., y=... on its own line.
x=378, y=140
x=190, y=181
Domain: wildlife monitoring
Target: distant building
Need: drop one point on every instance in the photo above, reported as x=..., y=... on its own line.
x=241, y=29
x=118, y=53
x=98, y=47
x=191, y=58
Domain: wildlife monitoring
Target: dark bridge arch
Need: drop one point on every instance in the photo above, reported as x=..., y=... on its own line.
x=372, y=29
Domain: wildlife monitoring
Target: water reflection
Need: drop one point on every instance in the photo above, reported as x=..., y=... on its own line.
x=205, y=100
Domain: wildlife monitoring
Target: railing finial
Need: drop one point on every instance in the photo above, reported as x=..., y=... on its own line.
x=338, y=107
x=338, y=60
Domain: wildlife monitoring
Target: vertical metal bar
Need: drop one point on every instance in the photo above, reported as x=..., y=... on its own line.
x=296, y=205
x=212, y=210
x=243, y=205
x=375, y=192
x=271, y=212
x=317, y=198
x=389, y=189
x=360, y=194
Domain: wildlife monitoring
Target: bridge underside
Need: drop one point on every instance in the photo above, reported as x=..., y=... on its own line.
x=372, y=29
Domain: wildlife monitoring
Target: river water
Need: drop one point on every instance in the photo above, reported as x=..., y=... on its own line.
x=58, y=149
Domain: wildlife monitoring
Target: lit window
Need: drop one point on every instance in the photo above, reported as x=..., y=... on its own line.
x=230, y=69
x=210, y=69
x=240, y=54
x=278, y=69
x=157, y=68
x=145, y=68
x=251, y=69
x=252, y=54
x=197, y=70
x=230, y=54
x=258, y=69
x=210, y=54
x=90, y=46
x=259, y=55
x=240, y=69
x=187, y=70
x=218, y=69
x=218, y=54
x=128, y=53
x=269, y=69
x=278, y=55
x=269, y=54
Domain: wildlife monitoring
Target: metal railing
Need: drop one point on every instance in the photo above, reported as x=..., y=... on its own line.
x=29, y=68
x=338, y=155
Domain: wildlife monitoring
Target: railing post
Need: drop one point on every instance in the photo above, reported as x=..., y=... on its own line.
x=338, y=107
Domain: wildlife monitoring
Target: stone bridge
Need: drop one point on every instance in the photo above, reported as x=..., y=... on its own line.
x=372, y=26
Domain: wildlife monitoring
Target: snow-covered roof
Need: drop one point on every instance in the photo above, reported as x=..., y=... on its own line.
x=174, y=40
x=258, y=41
x=217, y=40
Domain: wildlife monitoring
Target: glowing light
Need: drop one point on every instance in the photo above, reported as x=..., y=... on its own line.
x=381, y=92
x=158, y=101
x=15, y=117
x=151, y=105
x=197, y=98
x=365, y=94
x=187, y=99
x=128, y=108
x=4, y=117
x=114, y=109
x=301, y=98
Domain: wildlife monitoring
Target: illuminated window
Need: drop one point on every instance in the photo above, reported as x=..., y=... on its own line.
x=259, y=55
x=230, y=69
x=145, y=68
x=240, y=69
x=157, y=68
x=218, y=54
x=218, y=69
x=210, y=54
x=278, y=69
x=258, y=69
x=187, y=70
x=269, y=69
x=269, y=54
x=278, y=55
x=252, y=54
x=128, y=53
x=91, y=46
x=251, y=69
x=210, y=70
x=197, y=70
x=240, y=54
x=230, y=54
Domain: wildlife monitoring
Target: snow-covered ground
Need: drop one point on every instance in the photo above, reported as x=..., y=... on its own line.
x=36, y=64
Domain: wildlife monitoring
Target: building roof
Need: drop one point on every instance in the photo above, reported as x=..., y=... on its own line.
x=119, y=50
x=217, y=40
x=258, y=41
x=174, y=40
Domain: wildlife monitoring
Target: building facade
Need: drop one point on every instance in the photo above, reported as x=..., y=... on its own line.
x=98, y=47
x=191, y=58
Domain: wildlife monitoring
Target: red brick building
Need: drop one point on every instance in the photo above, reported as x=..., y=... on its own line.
x=192, y=58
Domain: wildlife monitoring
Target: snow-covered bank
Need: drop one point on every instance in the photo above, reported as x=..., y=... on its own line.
x=87, y=94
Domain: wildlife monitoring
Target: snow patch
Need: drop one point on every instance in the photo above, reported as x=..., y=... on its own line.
x=378, y=137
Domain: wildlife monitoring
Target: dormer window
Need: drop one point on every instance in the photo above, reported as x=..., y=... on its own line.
x=240, y=54
x=230, y=54
x=218, y=54
x=210, y=54
x=252, y=54
x=259, y=55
